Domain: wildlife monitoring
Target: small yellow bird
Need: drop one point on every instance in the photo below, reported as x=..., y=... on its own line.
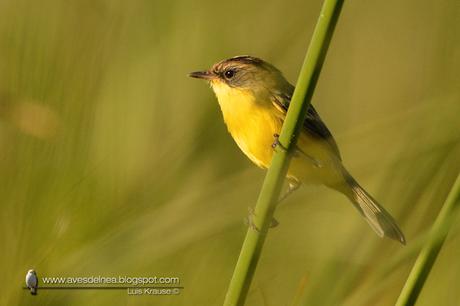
x=254, y=97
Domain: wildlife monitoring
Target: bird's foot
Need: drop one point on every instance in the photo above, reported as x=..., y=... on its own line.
x=277, y=144
x=249, y=220
x=292, y=186
x=297, y=152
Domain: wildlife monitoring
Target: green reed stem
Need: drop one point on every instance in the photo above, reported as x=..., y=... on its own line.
x=268, y=197
x=429, y=252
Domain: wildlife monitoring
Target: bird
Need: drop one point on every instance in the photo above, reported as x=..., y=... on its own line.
x=32, y=281
x=254, y=97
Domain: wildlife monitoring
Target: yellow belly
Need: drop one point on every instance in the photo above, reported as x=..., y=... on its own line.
x=253, y=124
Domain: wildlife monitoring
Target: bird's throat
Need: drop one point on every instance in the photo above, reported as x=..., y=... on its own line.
x=250, y=120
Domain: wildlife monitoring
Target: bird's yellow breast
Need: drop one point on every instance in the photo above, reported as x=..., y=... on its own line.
x=251, y=120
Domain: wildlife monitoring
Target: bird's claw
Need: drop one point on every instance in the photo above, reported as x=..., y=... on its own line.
x=292, y=186
x=249, y=220
x=277, y=144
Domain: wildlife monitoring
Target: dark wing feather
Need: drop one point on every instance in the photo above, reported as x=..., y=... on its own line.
x=313, y=124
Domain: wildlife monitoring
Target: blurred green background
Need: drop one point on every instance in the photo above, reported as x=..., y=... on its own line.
x=113, y=162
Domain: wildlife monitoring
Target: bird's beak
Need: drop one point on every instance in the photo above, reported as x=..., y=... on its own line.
x=205, y=75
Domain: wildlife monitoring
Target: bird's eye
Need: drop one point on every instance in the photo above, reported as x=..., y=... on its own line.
x=229, y=74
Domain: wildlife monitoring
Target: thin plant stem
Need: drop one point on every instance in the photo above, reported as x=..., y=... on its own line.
x=268, y=197
x=429, y=252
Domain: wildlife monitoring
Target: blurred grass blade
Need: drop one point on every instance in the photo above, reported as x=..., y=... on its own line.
x=429, y=253
x=253, y=243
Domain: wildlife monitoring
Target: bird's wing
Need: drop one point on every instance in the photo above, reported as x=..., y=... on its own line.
x=313, y=124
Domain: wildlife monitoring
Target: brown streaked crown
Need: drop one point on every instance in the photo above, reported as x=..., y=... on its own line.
x=240, y=61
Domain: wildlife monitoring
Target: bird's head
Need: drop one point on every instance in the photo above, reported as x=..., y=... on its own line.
x=31, y=271
x=243, y=73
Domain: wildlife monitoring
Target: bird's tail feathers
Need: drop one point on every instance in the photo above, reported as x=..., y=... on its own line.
x=377, y=217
